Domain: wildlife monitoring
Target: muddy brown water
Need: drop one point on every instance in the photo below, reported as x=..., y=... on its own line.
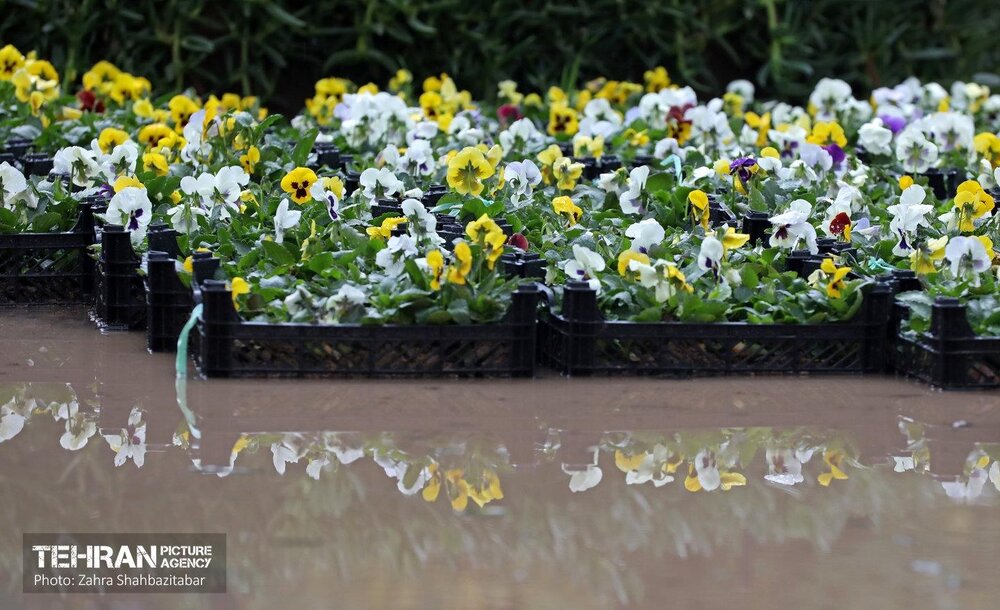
x=912, y=520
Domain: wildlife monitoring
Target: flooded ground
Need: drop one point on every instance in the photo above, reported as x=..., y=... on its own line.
x=768, y=492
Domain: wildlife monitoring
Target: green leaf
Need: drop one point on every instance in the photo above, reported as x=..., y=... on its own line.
x=303, y=147
x=277, y=254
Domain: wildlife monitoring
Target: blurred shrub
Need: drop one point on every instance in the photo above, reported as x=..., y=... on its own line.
x=277, y=49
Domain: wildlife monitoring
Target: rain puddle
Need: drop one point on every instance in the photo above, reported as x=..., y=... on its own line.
x=547, y=493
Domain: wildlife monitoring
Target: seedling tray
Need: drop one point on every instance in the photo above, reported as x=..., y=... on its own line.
x=578, y=341
x=228, y=346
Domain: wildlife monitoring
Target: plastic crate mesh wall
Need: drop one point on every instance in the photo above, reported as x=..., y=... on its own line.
x=40, y=274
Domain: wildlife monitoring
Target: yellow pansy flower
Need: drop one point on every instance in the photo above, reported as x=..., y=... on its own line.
x=972, y=203
x=988, y=146
x=467, y=170
x=11, y=60
x=827, y=132
x=399, y=80
x=238, y=286
x=566, y=173
x=155, y=162
x=656, y=79
x=905, y=182
x=627, y=257
x=487, y=232
x=565, y=207
x=181, y=108
x=562, y=121
x=922, y=258
x=699, y=207
x=731, y=239
x=835, y=277
x=636, y=138
x=127, y=181
x=111, y=137
x=385, y=230
x=458, y=270
x=297, y=183
x=143, y=108
x=435, y=262
x=548, y=158
x=150, y=135
x=250, y=160
x=585, y=146
x=458, y=489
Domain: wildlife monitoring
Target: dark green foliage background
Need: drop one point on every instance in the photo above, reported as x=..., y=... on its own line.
x=277, y=49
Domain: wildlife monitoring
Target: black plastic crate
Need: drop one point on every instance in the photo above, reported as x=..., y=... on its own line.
x=231, y=347
x=580, y=342
x=48, y=268
x=119, y=288
x=950, y=356
x=168, y=299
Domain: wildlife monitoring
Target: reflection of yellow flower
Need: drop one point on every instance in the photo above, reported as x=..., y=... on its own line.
x=564, y=206
x=835, y=277
x=628, y=463
x=627, y=257
x=433, y=486
x=458, y=489
x=467, y=170
x=487, y=490
x=834, y=460
x=297, y=183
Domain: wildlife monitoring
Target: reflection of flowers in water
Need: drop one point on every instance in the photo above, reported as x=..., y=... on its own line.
x=463, y=473
x=784, y=465
x=657, y=466
x=130, y=443
x=978, y=469
x=11, y=421
x=719, y=456
x=585, y=476
x=917, y=455
x=59, y=400
x=704, y=473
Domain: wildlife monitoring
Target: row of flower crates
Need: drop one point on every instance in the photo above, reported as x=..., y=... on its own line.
x=44, y=269
x=57, y=269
